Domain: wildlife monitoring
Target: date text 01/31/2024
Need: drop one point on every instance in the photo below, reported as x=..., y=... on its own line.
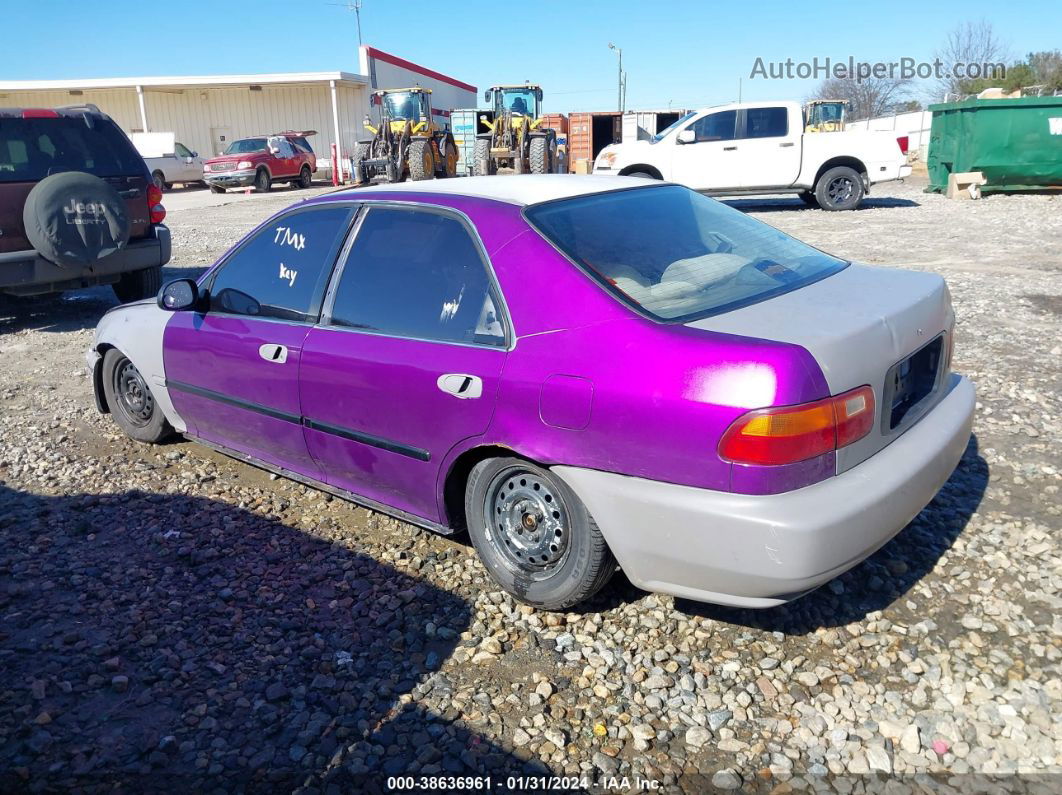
x=523, y=783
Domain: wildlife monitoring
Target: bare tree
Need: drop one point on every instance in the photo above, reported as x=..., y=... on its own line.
x=1047, y=68
x=872, y=97
x=968, y=43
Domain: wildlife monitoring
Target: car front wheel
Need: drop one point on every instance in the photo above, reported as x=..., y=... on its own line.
x=130, y=400
x=534, y=535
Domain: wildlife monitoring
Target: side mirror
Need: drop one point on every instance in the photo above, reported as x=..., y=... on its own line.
x=179, y=295
x=486, y=95
x=687, y=136
x=195, y=154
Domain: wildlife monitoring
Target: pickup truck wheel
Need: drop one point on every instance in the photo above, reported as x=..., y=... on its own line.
x=840, y=188
x=130, y=400
x=533, y=534
x=137, y=285
x=642, y=174
x=262, y=181
x=305, y=177
x=160, y=181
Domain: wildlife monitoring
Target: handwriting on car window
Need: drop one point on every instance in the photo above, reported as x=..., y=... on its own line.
x=285, y=237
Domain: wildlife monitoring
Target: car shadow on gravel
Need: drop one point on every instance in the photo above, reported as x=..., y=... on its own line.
x=886, y=575
x=790, y=203
x=173, y=643
x=73, y=310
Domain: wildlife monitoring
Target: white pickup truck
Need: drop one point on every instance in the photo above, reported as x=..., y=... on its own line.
x=761, y=147
x=168, y=159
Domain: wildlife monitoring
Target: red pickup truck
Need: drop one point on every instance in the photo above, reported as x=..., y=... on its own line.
x=262, y=160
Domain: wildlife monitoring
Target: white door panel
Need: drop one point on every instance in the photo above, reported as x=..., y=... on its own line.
x=770, y=148
x=712, y=161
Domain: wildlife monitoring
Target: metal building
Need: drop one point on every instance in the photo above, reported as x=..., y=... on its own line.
x=206, y=112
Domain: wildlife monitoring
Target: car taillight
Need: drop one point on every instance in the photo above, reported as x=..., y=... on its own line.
x=40, y=113
x=156, y=212
x=787, y=434
x=903, y=142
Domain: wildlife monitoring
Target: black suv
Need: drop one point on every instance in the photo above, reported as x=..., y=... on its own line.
x=77, y=206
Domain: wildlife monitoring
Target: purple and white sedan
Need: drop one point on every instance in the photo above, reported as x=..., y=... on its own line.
x=579, y=371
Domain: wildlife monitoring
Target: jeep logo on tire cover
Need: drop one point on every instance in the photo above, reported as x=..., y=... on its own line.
x=85, y=213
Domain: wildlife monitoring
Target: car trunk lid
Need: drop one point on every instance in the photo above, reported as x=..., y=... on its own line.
x=864, y=325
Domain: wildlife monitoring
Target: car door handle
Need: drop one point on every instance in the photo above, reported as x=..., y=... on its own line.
x=729, y=148
x=786, y=143
x=461, y=385
x=271, y=352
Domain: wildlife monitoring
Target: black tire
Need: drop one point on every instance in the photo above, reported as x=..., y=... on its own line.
x=539, y=155
x=216, y=189
x=839, y=188
x=808, y=197
x=160, y=181
x=421, y=161
x=97, y=227
x=137, y=285
x=450, y=157
x=361, y=152
x=642, y=174
x=554, y=556
x=263, y=183
x=130, y=400
x=305, y=177
x=483, y=165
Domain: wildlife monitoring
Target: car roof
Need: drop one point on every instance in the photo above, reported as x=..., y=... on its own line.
x=523, y=189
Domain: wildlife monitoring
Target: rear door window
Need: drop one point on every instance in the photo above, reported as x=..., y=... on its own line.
x=766, y=123
x=282, y=270
x=417, y=274
x=32, y=149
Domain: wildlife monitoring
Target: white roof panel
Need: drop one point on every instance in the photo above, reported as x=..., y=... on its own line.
x=519, y=189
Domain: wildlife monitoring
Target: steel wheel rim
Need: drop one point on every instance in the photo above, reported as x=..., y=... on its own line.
x=527, y=522
x=840, y=189
x=134, y=398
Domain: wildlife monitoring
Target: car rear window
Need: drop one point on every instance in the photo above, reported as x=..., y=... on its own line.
x=31, y=149
x=675, y=254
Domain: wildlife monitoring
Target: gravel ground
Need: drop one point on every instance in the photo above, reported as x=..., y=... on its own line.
x=171, y=619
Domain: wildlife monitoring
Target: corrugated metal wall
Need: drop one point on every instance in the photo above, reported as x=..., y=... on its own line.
x=197, y=115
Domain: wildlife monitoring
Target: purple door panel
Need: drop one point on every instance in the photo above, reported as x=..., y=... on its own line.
x=379, y=423
x=225, y=375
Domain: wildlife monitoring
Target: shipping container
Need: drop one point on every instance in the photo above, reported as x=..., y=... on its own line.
x=589, y=133
x=644, y=124
x=465, y=124
x=555, y=121
x=1015, y=143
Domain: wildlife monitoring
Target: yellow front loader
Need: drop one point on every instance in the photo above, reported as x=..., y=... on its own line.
x=407, y=142
x=516, y=139
x=825, y=115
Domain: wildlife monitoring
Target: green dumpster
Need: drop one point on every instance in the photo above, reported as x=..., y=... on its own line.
x=1015, y=143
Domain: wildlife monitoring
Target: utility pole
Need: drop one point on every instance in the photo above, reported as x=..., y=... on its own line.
x=355, y=6
x=620, y=83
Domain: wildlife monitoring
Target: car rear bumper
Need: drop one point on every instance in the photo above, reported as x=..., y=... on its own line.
x=761, y=551
x=887, y=171
x=230, y=179
x=28, y=273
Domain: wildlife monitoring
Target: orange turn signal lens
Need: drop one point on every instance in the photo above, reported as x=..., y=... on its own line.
x=788, y=434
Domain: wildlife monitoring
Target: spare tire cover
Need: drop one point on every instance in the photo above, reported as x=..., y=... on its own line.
x=75, y=219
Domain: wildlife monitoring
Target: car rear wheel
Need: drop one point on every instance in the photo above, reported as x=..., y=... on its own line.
x=262, y=181
x=130, y=400
x=140, y=284
x=305, y=177
x=840, y=188
x=160, y=180
x=216, y=189
x=533, y=534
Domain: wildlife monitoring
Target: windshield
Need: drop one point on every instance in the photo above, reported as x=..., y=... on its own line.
x=519, y=100
x=405, y=106
x=660, y=135
x=246, y=146
x=676, y=254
